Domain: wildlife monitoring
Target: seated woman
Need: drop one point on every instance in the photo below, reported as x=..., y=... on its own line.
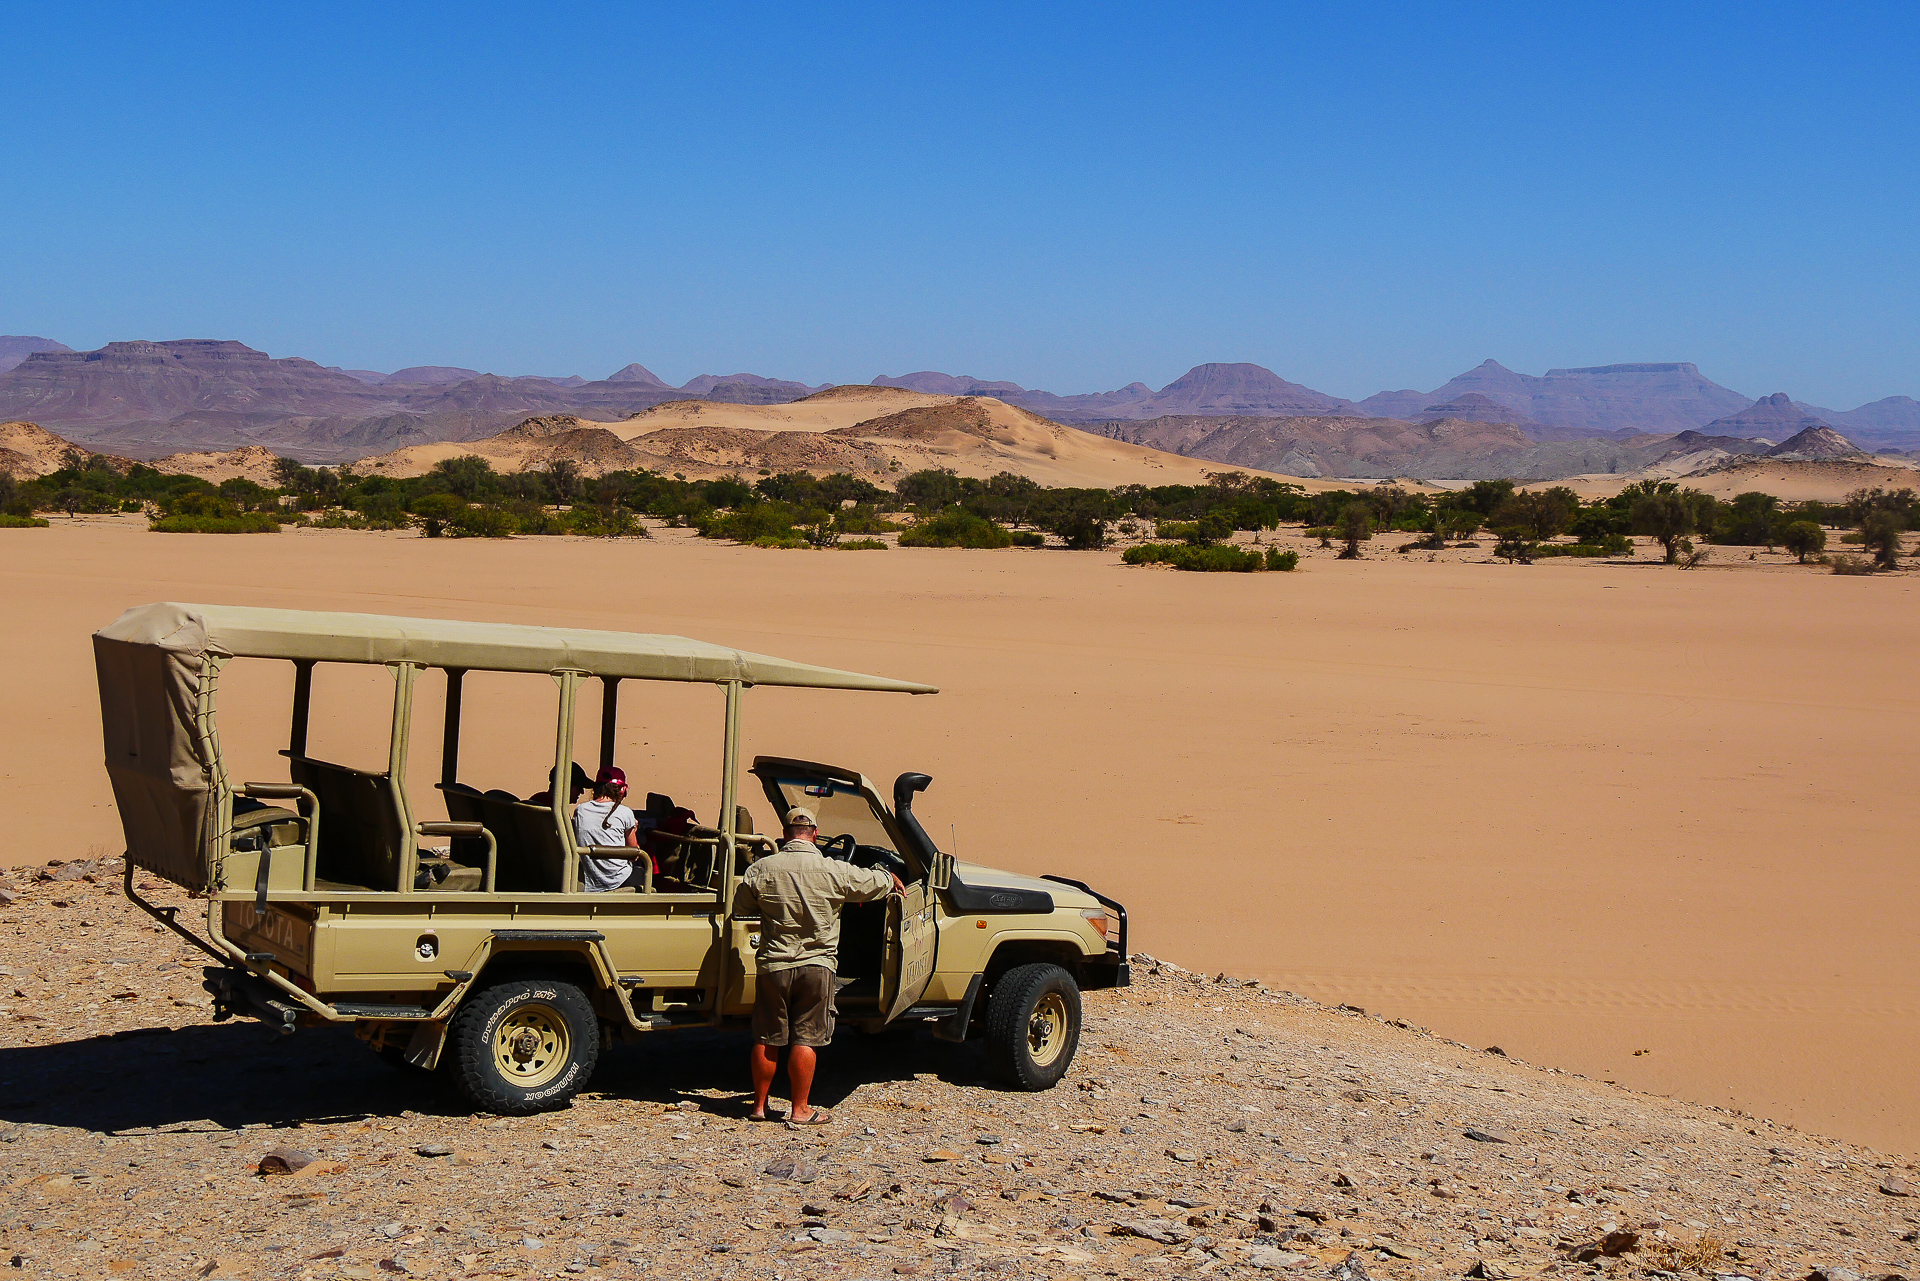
x=605, y=822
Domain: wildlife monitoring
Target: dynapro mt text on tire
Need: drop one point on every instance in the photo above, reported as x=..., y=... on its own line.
x=525, y=1045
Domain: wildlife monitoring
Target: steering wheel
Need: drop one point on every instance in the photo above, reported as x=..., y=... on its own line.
x=882, y=857
x=840, y=847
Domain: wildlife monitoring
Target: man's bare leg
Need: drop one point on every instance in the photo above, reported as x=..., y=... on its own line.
x=765, y=1061
x=800, y=1062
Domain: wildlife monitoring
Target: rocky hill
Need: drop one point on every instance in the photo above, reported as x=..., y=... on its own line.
x=1816, y=442
x=1209, y=1127
x=1774, y=417
x=15, y=348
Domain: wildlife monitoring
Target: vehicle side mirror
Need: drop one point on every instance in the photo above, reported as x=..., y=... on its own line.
x=940, y=875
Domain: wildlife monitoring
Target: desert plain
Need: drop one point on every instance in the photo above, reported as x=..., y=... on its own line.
x=1648, y=825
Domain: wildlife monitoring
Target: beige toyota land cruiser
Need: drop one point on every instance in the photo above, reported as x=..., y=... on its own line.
x=336, y=896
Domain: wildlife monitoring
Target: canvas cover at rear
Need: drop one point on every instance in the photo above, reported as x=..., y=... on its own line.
x=162, y=783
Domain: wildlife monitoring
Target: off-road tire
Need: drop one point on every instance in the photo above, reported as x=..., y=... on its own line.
x=545, y=1027
x=1033, y=1026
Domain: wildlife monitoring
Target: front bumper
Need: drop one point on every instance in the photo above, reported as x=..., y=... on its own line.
x=1109, y=969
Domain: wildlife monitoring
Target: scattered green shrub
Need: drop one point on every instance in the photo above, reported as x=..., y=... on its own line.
x=1322, y=532
x=1804, y=539
x=249, y=523
x=1850, y=565
x=1029, y=538
x=1515, y=549
x=789, y=542
x=1217, y=559
x=1284, y=562
x=860, y=545
x=1214, y=559
x=956, y=527
x=10, y=521
x=1568, y=549
x=1853, y=539
x=482, y=522
x=130, y=505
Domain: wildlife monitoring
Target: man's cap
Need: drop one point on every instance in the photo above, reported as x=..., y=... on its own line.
x=610, y=774
x=800, y=816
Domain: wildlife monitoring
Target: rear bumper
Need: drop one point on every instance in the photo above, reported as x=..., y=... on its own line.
x=238, y=992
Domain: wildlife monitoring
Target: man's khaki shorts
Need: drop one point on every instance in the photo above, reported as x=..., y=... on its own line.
x=794, y=1007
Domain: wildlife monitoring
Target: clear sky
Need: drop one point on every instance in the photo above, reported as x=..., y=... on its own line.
x=1072, y=197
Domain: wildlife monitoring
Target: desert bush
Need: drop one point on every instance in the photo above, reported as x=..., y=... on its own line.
x=956, y=528
x=1850, y=565
x=1550, y=550
x=1216, y=559
x=1356, y=526
x=1880, y=534
x=860, y=545
x=483, y=521
x=1853, y=540
x=1668, y=517
x=249, y=523
x=1284, y=562
x=434, y=511
x=1029, y=538
x=10, y=521
x=1149, y=554
x=1324, y=533
x=1687, y=556
x=1433, y=542
x=789, y=542
x=469, y=476
x=1804, y=538
x=1539, y=514
x=1615, y=545
x=1515, y=549
x=1185, y=530
x=606, y=522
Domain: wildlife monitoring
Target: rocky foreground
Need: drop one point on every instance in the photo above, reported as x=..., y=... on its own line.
x=1209, y=1127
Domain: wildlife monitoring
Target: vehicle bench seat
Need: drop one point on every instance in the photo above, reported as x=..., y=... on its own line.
x=363, y=840
x=532, y=856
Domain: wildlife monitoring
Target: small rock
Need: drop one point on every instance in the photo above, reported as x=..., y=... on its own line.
x=1481, y=1136
x=829, y=1236
x=1894, y=1185
x=1833, y=1274
x=393, y=1231
x=1268, y=1259
x=532, y=1243
x=987, y=1140
x=1398, y=1251
x=794, y=1169
x=1341, y=1180
x=1350, y=1268
x=1494, y=1049
x=1482, y=1270
x=941, y=1154
x=433, y=1149
x=1181, y=1154
x=285, y=1161
x=1237, y=1126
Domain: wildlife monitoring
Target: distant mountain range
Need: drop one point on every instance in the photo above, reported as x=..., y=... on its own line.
x=1564, y=404
x=146, y=399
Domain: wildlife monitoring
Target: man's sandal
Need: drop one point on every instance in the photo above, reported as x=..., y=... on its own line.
x=820, y=1117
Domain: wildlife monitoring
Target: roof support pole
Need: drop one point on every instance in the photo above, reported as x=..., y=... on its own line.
x=302, y=702
x=450, y=737
x=609, y=717
x=562, y=791
x=728, y=824
x=397, y=745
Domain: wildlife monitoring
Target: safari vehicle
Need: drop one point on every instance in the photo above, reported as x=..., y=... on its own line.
x=486, y=957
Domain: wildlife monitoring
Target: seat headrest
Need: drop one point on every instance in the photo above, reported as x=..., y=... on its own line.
x=742, y=821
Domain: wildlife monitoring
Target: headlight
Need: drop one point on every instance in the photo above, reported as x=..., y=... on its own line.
x=1097, y=918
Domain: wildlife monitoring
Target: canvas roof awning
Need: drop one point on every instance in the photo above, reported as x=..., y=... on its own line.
x=241, y=631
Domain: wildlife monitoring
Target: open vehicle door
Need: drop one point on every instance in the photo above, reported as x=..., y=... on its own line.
x=911, y=942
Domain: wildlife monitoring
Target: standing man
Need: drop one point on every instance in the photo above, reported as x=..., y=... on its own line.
x=798, y=892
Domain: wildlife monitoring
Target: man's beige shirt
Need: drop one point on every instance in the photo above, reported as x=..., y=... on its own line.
x=798, y=892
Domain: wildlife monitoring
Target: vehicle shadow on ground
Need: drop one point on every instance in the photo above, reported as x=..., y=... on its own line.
x=230, y=1075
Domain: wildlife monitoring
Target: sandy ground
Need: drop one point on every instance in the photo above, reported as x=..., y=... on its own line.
x=1644, y=824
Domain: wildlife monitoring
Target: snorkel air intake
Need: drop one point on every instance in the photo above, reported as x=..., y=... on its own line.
x=966, y=899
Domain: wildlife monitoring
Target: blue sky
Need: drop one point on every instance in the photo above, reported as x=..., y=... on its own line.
x=1357, y=196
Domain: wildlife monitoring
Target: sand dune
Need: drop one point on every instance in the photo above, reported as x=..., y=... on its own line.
x=1724, y=476
x=1575, y=810
x=880, y=433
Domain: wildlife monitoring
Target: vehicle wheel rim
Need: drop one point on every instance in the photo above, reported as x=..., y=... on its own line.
x=1047, y=1029
x=531, y=1045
